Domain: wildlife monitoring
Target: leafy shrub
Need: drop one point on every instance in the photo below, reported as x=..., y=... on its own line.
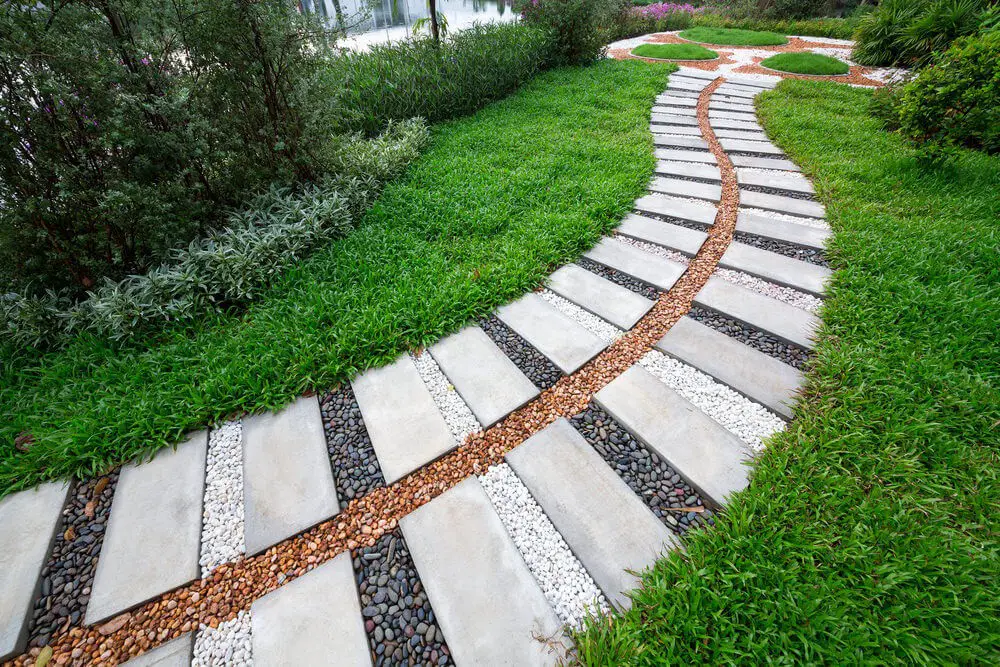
x=654, y=17
x=580, y=28
x=774, y=9
x=910, y=32
x=836, y=28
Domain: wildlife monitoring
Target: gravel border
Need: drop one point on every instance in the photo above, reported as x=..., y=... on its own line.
x=654, y=249
x=452, y=407
x=356, y=470
x=793, y=355
x=802, y=253
x=229, y=645
x=535, y=365
x=603, y=329
x=222, y=517
x=623, y=279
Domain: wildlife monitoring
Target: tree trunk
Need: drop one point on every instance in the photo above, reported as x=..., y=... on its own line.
x=435, y=33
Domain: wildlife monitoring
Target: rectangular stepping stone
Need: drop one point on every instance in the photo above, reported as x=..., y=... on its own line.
x=781, y=320
x=486, y=379
x=153, y=538
x=689, y=112
x=790, y=205
x=404, y=424
x=684, y=155
x=659, y=272
x=763, y=162
x=689, y=169
x=312, y=620
x=175, y=653
x=675, y=237
x=679, y=141
x=618, y=305
x=707, y=455
x=686, y=130
x=676, y=101
x=673, y=119
x=736, y=91
x=703, y=214
x=747, y=82
x=740, y=134
x=692, y=73
x=782, y=230
x=757, y=376
x=485, y=599
x=681, y=188
x=779, y=180
x=730, y=99
x=744, y=146
x=730, y=115
x=776, y=268
x=679, y=83
x=686, y=94
x=567, y=344
x=730, y=124
x=287, y=480
x=730, y=107
x=603, y=521
x=28, y=523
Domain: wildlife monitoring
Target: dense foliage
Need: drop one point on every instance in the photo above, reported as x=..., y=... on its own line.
x=653, y=17
x=838, y=28
x=580, y=28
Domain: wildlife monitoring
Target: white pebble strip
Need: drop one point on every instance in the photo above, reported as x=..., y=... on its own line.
x=567, y=586
x=222, y=513
x=792, y=297
x=750, y=422
x=592, y=323
x=818, y=223
x=229, y=645
x=456, y=412
x=687, y=200
x=654, y=249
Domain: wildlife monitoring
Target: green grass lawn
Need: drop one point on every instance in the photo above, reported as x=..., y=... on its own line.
x=675, y=52
x=869, y=532
x=497, y=201
x=806, y=63
x=732, y=36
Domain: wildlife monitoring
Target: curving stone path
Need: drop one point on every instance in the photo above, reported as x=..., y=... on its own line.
x=464, y=503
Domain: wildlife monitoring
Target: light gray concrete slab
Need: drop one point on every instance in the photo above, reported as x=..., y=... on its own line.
x=748, y=82
x=175, y=653
x=692, y=73
x=313, y=620
x=657, y=271
x=620, y=306
x=153, y=538
x=782, y=230
x=679, y=141
x=681, y=188
x=760, y=378
x=682, y=239
x=684, y=155
x=730, y=99
x=676, y=101
x=740, y=134
x=287, y=480
x=682, y=83
x=714, y=115
x=781, y=320
x=776, y=268
x=711, y=458
x=28, y=523
x=736, y=91
x=730, y=124
x=763, y=162
x=779, y=180
x=744, y=146
x=790, y=205
x=688, y=94
x=486, y=601
x=603, y=521
x=689, y=112
x=686, y=130
x=673, y=119
x=486, y=379
x=689, y=169
x=731, y=107
x=675, y=208
x=404, y=424
x=561, y=339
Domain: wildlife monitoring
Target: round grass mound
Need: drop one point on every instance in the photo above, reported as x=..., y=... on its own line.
x=806, y=63
x=674, y=52
x=733, y=37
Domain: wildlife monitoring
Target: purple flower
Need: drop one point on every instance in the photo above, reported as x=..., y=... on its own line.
x=145, y=61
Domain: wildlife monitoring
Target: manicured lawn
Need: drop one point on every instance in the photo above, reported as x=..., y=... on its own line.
x=499, y=199
x=868, y=534
x=806, y=63
x=674, y=52
x=732, y=37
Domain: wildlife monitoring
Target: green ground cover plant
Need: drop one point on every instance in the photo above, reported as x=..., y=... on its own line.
x=495, y=203
x=867, y=534
x=675, y=52
x=733, y=36
x=806, y=63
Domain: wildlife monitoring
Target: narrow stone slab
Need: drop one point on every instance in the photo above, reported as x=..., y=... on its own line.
x=175, y=653
x=730, y=99
x=486, y=379
x=776, y=268
x=679, y=141
x=619, y=306
x=687, y=94
x=677, y=101
x=675, y=237
x=760, y=378
x=606, y=525
x=778, y=180
x=747, y=82
x=730, y=107
x=567, y=344
x=781, y=320
x=673, y=119
x=736, y=91
x=313, y=620
x=740, y=134
x=791, y=205
x=692, y=73
x=696, y=446
x=486, y=601
x=689, y=112
x=681, y=188
x=684, y=155
x=681, y=83
x=763, y=162
x=28, y=523
x=404, y=424
x=730, y=115
x=744, y=146
x=686, y=130
x=703, y=214
x=689, y=169
x=782, y=230
x=287, y=480
x=657, y=271
x=153, y=537
x=730, y=124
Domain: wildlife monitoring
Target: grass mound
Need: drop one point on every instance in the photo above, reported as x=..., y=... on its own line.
x=733, y=37
x=806, y=63
x=674, y=52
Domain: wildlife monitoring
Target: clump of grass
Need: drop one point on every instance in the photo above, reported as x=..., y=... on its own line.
x=806, y=63
x=675, y=52
x=733, y=37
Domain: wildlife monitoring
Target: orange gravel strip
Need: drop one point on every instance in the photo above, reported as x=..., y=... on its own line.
x=234, y=586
